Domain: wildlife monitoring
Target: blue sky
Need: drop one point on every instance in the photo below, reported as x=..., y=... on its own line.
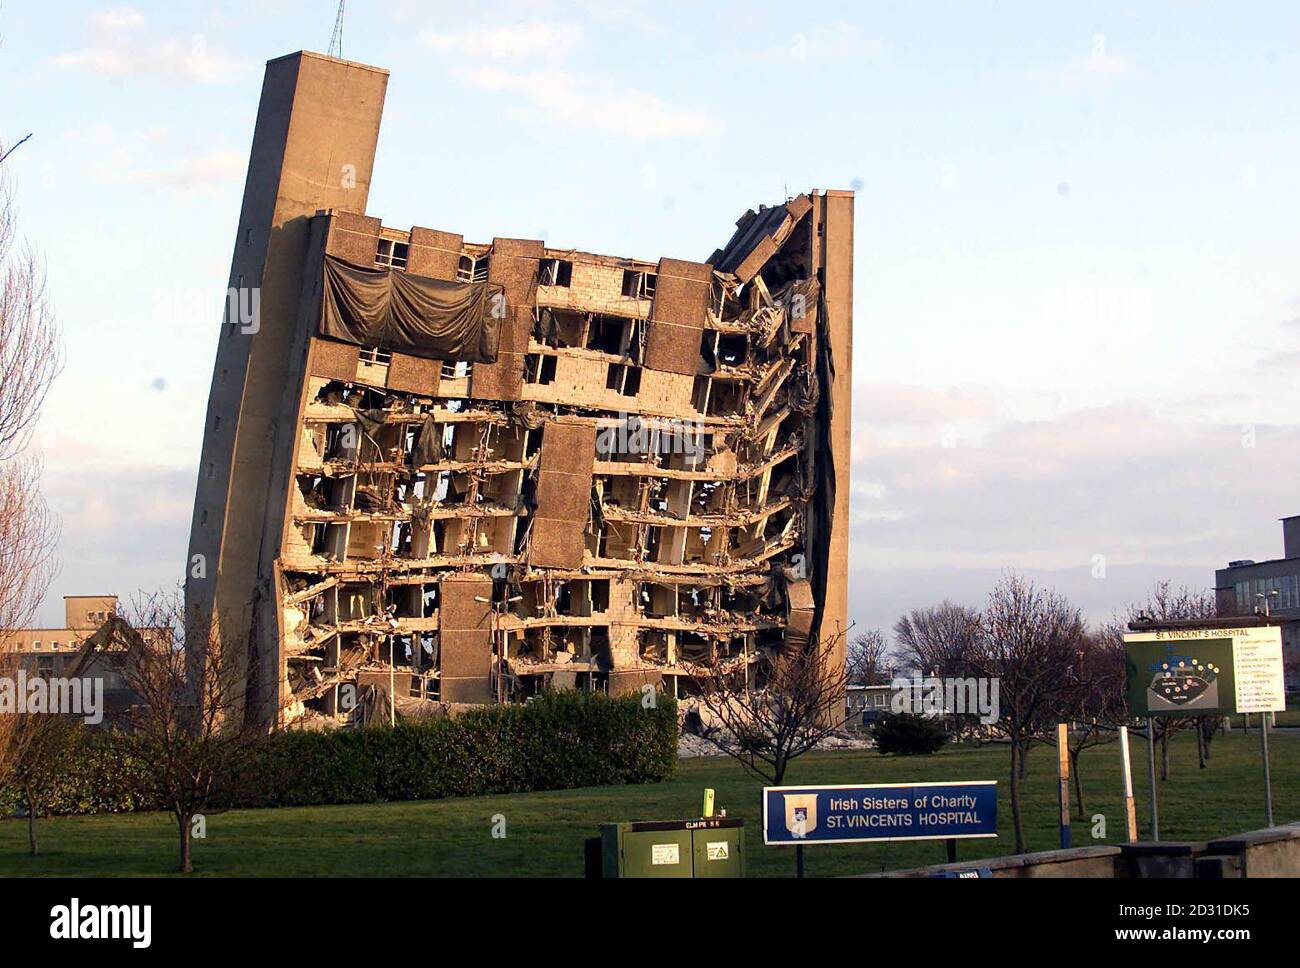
x=1077, y=323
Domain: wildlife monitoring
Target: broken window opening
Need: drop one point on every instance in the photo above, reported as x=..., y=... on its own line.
x=541, y=369
x=555, y=272
x=638, y=284
x=733, y=349
x=724, y=397
x=624, y=380
x=391, y=254
x=473, y=268
x=455, y=369
x=611, y=334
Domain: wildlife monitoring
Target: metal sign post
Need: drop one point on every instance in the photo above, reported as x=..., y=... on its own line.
x=1268, y=780
x=1151, y=774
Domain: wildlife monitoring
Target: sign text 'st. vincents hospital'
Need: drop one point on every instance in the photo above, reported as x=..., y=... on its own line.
x=890, y=811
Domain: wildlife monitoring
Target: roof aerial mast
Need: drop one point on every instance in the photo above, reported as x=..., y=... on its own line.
x=336, y=38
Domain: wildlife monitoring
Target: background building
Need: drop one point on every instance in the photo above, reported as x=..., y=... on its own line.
x=51, y=649
x=51, y=653
x=864, y=704
x=1238, y=589
x=467, y=471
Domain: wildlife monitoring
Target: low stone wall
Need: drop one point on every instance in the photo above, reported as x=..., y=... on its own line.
x=1167, y=858
x=1077, y=862
x=1273, y=852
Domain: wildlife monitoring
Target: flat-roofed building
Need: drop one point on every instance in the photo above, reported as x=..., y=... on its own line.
x=83, y=615
x=1245, y=585
x=53, y=652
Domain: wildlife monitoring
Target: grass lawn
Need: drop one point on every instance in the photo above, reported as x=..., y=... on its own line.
x=545, y=831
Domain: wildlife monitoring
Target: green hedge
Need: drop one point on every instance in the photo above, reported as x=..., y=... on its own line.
x=102, y=776
x=907, y=734
x=558, y=741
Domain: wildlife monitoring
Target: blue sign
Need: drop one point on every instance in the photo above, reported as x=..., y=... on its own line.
x=885, y=811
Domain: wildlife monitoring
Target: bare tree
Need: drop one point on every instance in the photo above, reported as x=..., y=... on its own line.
x=29, y=533
x=1098, y=706
x=30, y=346
x=868, y=654
x=189, y=726
x=1165, y=603
x=1028, y=640
x=799, y=702
x=6, y=152
x=935, y=640
x=9, y=747
x=44, y=743
x=30, y=359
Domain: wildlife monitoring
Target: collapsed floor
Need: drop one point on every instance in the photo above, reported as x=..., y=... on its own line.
x=629, y=496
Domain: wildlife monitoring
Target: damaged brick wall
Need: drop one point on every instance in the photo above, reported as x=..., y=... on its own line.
x=623, y=499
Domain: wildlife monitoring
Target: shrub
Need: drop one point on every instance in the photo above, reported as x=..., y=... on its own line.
x=558, y=741
x=906, y=734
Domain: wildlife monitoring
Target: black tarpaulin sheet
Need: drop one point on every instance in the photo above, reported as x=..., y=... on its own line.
x=416, y=315
x=825, y=468
x=428, y=447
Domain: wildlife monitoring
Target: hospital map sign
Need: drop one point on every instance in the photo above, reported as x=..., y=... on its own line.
x=880, y=812
x=1182, y=670
x=1190, y=672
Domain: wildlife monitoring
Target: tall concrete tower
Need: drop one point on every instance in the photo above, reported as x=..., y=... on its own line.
x=833, y=262
x=313, y=148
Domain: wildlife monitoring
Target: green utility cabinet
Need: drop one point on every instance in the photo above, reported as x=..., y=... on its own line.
x=707, y=847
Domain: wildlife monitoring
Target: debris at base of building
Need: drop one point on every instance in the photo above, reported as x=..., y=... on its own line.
x=690, y=745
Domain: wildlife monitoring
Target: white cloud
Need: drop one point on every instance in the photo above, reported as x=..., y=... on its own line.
x=507, y=43
x=1156, y=492
x=1098, y=67
x=563, y=98
x=1126, y=481
x=124, y=529
x=559, y=97
x=117, y=52
x=151, y=156
x=117, y=19
x=194, y=173
x=829, y=42
x=1108, y=65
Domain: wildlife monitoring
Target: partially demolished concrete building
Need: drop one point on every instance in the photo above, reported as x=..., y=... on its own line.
x=463, y=472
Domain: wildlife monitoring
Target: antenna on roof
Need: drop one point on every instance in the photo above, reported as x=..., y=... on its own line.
x=336, y=38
